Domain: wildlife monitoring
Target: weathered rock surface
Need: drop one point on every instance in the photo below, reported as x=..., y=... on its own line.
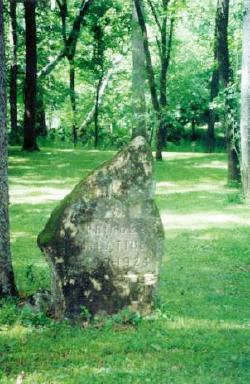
x=104, y=242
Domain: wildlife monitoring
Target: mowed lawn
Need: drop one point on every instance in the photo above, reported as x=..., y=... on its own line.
x=200, y=331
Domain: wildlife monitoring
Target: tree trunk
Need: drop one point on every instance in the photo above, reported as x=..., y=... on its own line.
x=63, y=6
x=104, y=84
x=166, y=46
x=225, y=70
x=151, y=79
x=214, y=90
x=138, y=79
x=99, y=59
x=74, y=34
x=211, y=113
x=73, y=99
x=96, y=114
x=245, y=102
x=164, y=57
x=7, y=284
x=70, y=56
x=225, y=73
x=159, y=139
x=41, y=126
x=193, y=129
x=14, y=136
x=29, y=143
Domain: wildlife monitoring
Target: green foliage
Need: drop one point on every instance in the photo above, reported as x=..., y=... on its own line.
x=235, y=198
x=30, y=317
x=13, y=312
x=126, y=317
x=85, y=314
x=8, y=312
x=188, y=83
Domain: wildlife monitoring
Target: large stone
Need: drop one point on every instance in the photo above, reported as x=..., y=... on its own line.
x=105, y=241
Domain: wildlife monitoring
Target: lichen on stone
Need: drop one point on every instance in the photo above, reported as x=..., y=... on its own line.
x=104, y=242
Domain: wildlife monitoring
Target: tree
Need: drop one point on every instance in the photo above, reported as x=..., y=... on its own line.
x=29, y=140
x=99, y=49
x=107, y=51
x=159, y=103
x=245, y=102
x=101, y=93
x=164, y=48
x=138, y=78
x=7, y=284
x=103, y=62
x=226, y=77
x=63, y=6
x=69, y=52
x=13, y=74
x=41, y=125
x=214, y=89
x=223, y=74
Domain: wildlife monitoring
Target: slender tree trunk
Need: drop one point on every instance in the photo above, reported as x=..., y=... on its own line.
x=7, y=284
x=63, y=6
x=104, y=84
x=166, y=46
x=214, y=90
x=41, y=126
x=96, y=114
x=151, y=79
x=160, y=104
x=193, y=127
x=149, y=65
x=29, y=143
x=138, y=79
x=164, y=57
x=73, y=99
x=72, y=40
x=14, y=137
x=225, y=73
x=99, y=58
x=245, y=102
x=211, y=113
x=159, y=139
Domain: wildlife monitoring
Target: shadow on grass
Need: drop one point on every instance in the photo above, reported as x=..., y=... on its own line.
x=156, y=353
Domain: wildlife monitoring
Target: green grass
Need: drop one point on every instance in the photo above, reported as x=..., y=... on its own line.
x=200, y=332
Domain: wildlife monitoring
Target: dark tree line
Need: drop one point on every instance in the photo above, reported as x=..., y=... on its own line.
x=34, y=115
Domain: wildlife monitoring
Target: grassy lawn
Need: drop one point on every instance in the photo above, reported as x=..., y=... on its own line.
x=200, y=331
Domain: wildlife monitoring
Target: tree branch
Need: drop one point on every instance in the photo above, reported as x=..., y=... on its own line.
x=158, y=45
x=170, y=40
x=74, y=34
x=70, y=47
x=102, y=89
x=59, y=4
x=51, y=65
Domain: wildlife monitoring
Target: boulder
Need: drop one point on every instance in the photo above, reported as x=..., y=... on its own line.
x=105, y=241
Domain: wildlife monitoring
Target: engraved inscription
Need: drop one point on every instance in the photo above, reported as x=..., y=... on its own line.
x=117, y=241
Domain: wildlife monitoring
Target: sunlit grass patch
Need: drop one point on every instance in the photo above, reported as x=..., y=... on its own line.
x=199, y=333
